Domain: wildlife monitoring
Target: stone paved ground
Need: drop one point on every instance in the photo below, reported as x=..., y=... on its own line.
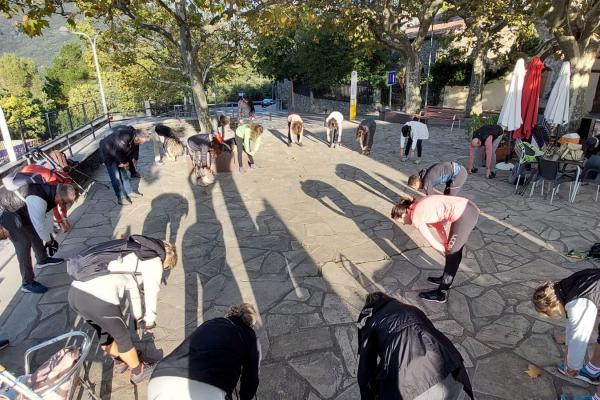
x=305, y=237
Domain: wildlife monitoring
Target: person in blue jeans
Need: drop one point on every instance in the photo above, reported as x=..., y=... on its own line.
x=117, y=149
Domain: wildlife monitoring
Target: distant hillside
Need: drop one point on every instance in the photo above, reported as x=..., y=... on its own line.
x=42, y=49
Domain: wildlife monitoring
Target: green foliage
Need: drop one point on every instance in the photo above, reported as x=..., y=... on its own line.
x=68, y=69
x=19, y=77
x=316, y=47
x=23, y=114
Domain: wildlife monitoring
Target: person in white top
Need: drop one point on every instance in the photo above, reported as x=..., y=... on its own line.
x=414, y=132
x=295, y=129
x=334, y=128
x=98, y=301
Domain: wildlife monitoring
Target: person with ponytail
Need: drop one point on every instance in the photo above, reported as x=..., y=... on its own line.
x=435, y=211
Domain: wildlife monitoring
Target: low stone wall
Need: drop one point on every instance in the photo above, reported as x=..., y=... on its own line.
x=302, y=103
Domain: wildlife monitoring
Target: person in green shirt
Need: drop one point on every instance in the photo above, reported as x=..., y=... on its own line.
x=248, y=139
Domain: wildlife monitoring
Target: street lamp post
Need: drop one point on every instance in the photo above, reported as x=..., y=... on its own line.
x=93, y=44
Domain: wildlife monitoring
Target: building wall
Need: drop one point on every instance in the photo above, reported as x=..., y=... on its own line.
x=495, y=91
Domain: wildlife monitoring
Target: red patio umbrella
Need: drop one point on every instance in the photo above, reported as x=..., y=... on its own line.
x=530, y=99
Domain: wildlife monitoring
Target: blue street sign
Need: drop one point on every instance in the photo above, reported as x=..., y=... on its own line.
x=391, y=78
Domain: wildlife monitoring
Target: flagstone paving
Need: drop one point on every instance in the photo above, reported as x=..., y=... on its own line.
x=305, y=237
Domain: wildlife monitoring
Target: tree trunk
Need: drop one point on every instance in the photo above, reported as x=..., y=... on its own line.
x=193, y=71
x=581, y=68
x=412, y=84
x=474, y=104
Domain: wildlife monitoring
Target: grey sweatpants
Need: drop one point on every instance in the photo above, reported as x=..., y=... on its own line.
x=174, y=387
x=448, y=389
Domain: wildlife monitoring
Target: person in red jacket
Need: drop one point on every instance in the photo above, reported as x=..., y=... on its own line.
x=52, y=177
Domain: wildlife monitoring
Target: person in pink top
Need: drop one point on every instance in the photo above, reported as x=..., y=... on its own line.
x=433, y=212
x=488, y=137
x=295, y=127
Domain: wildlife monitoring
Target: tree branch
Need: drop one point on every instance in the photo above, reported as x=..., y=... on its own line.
x=151, y=76
x=172, y=13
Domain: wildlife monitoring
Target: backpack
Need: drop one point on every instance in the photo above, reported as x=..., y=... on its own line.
x=93, y=262
x=17, y=179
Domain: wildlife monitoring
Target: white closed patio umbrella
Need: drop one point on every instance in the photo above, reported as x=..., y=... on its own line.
x=557, y=108
x=510, y=116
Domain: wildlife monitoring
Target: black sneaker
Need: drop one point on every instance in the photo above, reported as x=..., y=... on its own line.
x=474, y=170
x=33, y=287
x=48, y=261
x=3, y=344
x=289, y=144
x=125, y=201
x=436, y=280
x=492, y=175
x=146, y=372
x=439, y=296
x=300, y=144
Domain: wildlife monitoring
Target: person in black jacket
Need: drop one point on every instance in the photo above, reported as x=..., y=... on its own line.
x=402, y=356
x=364, y=135
x=26, y=218
x=209, y=363
x=577, y=297
x=488, y=136
x=117, y=151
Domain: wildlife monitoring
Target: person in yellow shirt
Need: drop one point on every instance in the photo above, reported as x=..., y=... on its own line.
x=248, y=139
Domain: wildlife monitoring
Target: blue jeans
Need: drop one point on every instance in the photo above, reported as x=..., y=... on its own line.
x=119, y=179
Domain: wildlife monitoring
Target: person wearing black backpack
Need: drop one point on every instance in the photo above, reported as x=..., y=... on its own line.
x=104, y=275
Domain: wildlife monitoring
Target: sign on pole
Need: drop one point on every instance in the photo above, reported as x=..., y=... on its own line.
x=391, y=81
x=353, y=90
x=391, y=78
x=10, y=151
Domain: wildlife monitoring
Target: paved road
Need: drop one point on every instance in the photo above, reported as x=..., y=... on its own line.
x=305, y=237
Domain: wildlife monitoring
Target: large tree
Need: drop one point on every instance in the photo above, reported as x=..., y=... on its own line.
x=202, y=33
x=389, y=20
x=487, y=26
x=575, y=25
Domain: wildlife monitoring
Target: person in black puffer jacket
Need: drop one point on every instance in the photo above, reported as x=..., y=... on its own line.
x=416, y=361
x=209, y=363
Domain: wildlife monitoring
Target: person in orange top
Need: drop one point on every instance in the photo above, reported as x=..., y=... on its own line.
x=434, y=211
x=52, y=177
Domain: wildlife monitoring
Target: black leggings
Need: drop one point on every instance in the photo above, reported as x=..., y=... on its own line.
x=457, y=238
x=409, y=143
x=239, y=143
x=104, y=317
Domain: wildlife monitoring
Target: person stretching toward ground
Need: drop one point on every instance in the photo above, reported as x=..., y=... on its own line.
x=209, y=363
x=295, y=129
x=414, y=132
x=576, y=297
x=490, y=137
x=117, y=150
x=104, y=275
x=26, y=214
x=401, y=355
x=334, y=128
x=435, y=211
x=364, y=135
x=450, y=174
x=248, y=138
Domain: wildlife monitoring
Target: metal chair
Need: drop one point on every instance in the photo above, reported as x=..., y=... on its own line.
x=72, y=376
x=548, y=170
x=590, y=174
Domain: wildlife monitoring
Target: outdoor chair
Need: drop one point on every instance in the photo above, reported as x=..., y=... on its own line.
x=57, y=378
x=548, y=171
x=590, y=174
